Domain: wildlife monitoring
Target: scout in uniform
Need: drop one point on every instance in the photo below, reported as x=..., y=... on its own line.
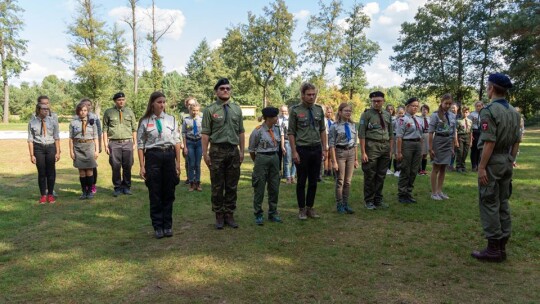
x=499, y=143
x=93, y=118
x=464, y=142
x=83, y=148
x=442, y=138
x=376, y=144
x=307, y=137
x=454, y=109
x=342, y=139
x=424, y=122
x=158, y=149
x=263, y=150
x=188, y=102
x=475, y=118
x=191, y=132
x=395, y=119
x=390, y=109
x=119, y=137
x=409, y=134
x=289, y=169
x=329, y=121
x=45, y=101
x=223, y=129
x=44, y=148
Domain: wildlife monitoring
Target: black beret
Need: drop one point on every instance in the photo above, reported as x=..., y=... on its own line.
x=221, y=82
x=270, y=112
x=500, y=80
x=376, y=94
x=118, y=95
x=411, y=100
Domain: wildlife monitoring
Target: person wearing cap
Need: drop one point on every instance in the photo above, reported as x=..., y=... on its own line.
x=442, y=139
x=376, y=135
x=158, y=150
x=119, y=138
x=223, y=129
x=83, y=148
x=342, y=141
x=44, y=148
x=409, y=134
x=499, y=142
x=263, y=149
x=307, y=137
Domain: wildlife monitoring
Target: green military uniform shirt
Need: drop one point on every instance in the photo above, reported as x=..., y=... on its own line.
x=306, y=124
x=223, y=126
x=499, y=123
x=464, y=126
x=370, y=126
x=117, y=128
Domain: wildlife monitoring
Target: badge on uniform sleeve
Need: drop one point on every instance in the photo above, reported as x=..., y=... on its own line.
x=215, y=115
x=362, y=122
x=484, y=125
x=302, y=115
x=408, y=125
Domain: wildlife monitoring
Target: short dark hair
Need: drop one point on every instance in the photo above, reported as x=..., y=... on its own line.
x=424, y=106
x=41, y=97
x=307, y=86
x=79, y=107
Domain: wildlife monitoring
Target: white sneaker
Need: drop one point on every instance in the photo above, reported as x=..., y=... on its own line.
x=443, y=196
x=436, y=197
x=389, y=172
x=397, y=173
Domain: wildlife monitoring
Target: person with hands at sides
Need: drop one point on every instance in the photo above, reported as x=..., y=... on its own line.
x=223, y=129
x=499, y=143
x=44, y=148
x=409, y=134
x=93, y=118
x=442, y=139
x=342, y=139
x=376, y=135
x=158, y=150
x=191, y=132
x=307, y=137
x=83, y=148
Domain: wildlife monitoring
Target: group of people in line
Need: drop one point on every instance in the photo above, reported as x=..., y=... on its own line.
x=306, y=135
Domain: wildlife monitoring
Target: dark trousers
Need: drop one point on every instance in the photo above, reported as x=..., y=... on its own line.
x=121, y=160
x=475, y=153
x=161, y=180
x=46, y=166
x=375, y=170
x=308, y=169
x=224, y=176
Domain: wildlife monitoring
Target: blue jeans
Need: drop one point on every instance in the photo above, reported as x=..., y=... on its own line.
x=289, y=169
x=194, y=160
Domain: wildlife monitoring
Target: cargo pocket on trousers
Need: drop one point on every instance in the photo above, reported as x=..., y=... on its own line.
x=487, y=192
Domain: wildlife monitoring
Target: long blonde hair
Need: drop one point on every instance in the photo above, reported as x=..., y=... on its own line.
x=342, y=106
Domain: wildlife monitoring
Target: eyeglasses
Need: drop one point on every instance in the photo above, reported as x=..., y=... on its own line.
x=44, y=109
x=224, y=88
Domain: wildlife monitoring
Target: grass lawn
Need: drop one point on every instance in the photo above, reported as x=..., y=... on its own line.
x=104, y=251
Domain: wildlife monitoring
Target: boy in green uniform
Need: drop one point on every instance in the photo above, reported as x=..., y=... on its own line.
x=223, y=128
x=376, y=142
x=465, y=138
x=263, y=150
x=499, y=141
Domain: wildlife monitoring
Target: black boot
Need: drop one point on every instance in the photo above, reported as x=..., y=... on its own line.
x=220, y=221
x=229, y=220
x=504, y=240
x=492, y=253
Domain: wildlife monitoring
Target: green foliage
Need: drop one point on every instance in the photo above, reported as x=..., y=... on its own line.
x=119, y=55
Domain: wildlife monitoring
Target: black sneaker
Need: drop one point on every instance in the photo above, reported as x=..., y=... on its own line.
x=158, y=233
x=127, y=191
x=117, y=192
x=370, y=206
x=381, y=205
x=167, y=232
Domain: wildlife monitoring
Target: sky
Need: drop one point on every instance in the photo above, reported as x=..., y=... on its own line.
x=46, y=24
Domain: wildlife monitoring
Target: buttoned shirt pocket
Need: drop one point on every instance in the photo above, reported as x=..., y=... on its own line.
x=303, y=122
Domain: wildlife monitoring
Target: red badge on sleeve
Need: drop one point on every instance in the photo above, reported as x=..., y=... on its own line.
x=301, y=115
x=150, y=125
x=215, y=115
x=484, y=125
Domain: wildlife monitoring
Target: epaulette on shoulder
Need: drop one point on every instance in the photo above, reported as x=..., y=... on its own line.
x=318, y=105
x=258, y=127
x=295, y=106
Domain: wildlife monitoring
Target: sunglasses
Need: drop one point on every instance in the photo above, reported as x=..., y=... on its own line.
x=224, y=88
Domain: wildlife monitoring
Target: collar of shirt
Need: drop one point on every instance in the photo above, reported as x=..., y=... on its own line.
x=161, y=116
x=119, y=109
x=303, y=104
x=221, y=102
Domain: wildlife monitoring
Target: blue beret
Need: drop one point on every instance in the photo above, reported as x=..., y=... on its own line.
x=376, y=94
x=118, y=95
x=411, y=100
x=270, y=112
x=500, y=80
x=221, y=82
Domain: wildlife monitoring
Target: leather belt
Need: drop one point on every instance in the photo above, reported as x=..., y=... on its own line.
x=161, y=149
x=412, y=139
x=313, y=148
x=121, y=140
x=344, y=147
x=84, y=140
x=442, y=134
x=267, y=153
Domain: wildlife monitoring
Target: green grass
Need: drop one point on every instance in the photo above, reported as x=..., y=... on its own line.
x=103, y=250
x=23, y=126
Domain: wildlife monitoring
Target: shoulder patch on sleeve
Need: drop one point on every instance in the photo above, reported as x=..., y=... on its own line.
x=485, y=125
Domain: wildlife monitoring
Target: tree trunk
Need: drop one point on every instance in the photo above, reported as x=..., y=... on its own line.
x=6, y=101
x=485, y=50
x=134, y=31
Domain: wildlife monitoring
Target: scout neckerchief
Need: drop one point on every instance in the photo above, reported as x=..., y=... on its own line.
x=426, y=125
x=381, y=119
x=348, y=132
x=43, y=127
x=416, y=123
x=226, y=110
x=311, y=118
x=120, y=115
x=159, y=126
x=195, y=130
x=83, y=121
x=330, y=123
x=466, y=125
x=272, y=135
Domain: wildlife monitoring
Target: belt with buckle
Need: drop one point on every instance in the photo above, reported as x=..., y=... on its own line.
x=84, y=140
x=442, y=134
x=411, y=139
x=161, y=149
x=267, y=153
x=344, y=147
x=121, y=140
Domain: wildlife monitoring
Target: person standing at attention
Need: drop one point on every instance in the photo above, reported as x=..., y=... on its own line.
x=44, y=148
x=158, y=150
x=475, y=118
x=424, y=119
x=223, y=129
x=120, y=140
x=191, y=132
x=464, y=142
x=263, y=150
x=342, y=139
x=376, y=144
x=307, y=137
x=442, y=137
x=289, y=169
x=499, y=144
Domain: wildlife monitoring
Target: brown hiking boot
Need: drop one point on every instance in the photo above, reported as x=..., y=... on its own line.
x=191, y=187
x=220, y=221
x=492, y=253
x=229, y=220
x=311, y=213
x=302, y=214
x=198, y=187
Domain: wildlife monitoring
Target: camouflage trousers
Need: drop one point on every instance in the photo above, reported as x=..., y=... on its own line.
x=224, y=176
